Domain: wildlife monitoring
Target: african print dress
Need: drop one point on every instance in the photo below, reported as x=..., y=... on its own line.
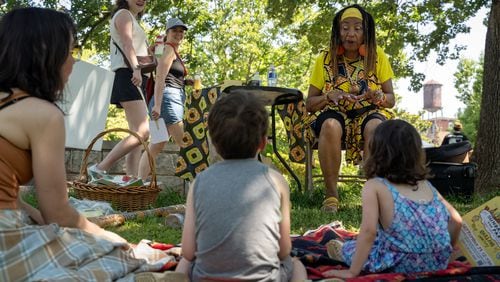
x=354, y=114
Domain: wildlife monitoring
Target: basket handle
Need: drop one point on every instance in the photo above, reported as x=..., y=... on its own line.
x=83, y=169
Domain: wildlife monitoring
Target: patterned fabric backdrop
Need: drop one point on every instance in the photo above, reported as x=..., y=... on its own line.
x=193, y=158
x=298, y=132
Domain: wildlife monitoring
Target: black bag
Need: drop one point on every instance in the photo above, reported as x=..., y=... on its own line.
x=147, y=63
x=453, y=178
x=453, y=153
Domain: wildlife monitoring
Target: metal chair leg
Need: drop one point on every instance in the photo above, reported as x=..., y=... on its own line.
x=308, y=176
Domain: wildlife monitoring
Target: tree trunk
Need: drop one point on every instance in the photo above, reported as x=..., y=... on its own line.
x=488, y=138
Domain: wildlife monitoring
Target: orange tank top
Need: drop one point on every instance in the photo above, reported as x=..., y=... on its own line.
x=15, y=165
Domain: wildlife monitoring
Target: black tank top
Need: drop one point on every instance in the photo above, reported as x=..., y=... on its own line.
x=177, y=72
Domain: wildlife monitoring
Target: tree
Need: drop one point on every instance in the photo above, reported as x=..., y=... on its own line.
x=298, y=28
x=419, y=26
x=468, y=82
x=488, y=137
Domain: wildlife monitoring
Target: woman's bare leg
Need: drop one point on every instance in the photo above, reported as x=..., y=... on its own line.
x=137, y=119
x=144, y=167
x=175, y=130
x=329, y=154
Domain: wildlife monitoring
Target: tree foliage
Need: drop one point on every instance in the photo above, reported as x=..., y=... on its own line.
x=407, y=30
x=231, y=39
x=468, y=82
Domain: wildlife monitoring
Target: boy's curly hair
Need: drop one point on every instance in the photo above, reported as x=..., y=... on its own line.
x=237, y=123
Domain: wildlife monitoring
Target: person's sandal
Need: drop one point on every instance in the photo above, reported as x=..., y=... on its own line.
x=334, y=250
x=330, y=204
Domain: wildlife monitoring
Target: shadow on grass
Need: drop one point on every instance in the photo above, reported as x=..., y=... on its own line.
x=306, y=208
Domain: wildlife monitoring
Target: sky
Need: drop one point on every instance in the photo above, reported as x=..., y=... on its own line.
x=413, y=102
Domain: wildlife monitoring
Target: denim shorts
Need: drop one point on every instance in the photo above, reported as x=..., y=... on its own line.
x=172, y=105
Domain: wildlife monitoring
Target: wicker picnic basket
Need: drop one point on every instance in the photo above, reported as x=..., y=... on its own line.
x=129, y=198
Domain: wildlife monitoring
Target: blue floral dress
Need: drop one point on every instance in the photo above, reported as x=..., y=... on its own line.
x=418, y=239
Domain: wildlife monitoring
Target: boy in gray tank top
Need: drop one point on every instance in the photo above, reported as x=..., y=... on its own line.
x=237, y=223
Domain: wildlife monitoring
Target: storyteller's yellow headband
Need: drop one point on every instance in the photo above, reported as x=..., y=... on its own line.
x=351, y=13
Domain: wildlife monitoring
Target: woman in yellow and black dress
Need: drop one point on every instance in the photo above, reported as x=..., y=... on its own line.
x=349, y=94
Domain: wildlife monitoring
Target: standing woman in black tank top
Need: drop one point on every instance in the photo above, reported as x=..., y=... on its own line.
x=169, y=95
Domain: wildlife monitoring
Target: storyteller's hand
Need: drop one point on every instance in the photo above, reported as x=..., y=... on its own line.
x=376, y=97
x=335, y=96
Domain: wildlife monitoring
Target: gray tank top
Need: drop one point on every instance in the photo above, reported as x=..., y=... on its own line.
x=237, y=212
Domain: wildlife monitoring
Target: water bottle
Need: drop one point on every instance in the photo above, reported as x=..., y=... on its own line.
x=272, y=76
x=255, y=81
x=159, y=46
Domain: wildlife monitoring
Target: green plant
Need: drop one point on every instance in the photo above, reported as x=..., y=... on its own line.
x=305, y=213
x=116, y=119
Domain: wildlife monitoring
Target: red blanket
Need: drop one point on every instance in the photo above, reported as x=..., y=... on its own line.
x=311, y=250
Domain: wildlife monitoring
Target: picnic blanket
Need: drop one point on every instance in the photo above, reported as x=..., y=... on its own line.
x=311, y=249
x=52, y=253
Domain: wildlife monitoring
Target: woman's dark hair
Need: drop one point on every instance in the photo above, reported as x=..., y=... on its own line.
x=237, y=123
x=370, y=41
x=396, y=153
x=35, y=43
x=123, y=4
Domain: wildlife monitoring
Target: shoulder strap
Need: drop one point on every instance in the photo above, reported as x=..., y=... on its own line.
x=178, y=57
x=13, y=101
x=388, y=185
x=123, y=54
x=433, y=189
x=125, y=57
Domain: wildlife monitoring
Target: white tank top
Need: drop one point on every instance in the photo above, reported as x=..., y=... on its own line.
x=139, y=41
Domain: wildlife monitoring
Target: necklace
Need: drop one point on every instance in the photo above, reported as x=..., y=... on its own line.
x=354, y=89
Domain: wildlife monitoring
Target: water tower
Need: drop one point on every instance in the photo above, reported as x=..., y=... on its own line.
x=432, y=96
x=432, y=103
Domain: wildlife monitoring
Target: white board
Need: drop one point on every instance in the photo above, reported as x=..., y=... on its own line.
x=86, y=102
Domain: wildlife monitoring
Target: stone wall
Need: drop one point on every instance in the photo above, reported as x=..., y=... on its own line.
x=165, y=164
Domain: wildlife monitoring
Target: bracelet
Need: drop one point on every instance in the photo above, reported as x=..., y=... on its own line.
x=381, y=97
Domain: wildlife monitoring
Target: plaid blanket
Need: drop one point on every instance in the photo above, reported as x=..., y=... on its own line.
x=311, y=249
x=51, y=253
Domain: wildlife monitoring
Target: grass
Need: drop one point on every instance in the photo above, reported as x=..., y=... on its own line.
x=305, y=213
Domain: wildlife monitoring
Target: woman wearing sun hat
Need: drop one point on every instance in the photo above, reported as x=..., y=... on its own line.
x=169, y=95
x=349, y=94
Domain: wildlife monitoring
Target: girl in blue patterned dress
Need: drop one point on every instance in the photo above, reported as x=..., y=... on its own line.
x=406, y=226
